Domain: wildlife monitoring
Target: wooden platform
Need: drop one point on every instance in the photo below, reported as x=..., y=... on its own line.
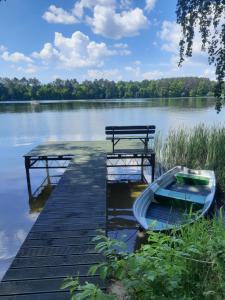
x=60, y=242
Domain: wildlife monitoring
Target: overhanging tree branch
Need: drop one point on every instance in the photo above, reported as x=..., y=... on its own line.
x=207, y=16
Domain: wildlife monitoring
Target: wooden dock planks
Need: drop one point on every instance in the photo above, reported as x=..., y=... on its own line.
x=60, y=242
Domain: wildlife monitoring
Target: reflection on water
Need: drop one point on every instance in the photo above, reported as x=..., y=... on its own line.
x=25, y=125
x=37, y=203
x=38, y=198
x=121, y=222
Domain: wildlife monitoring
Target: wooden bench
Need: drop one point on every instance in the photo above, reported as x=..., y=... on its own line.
x=142, y=133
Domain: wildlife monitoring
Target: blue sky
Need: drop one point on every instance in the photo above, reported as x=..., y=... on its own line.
x=88, y=39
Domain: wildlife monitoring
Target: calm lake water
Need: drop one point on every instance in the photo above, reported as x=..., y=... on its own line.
x=25, y=125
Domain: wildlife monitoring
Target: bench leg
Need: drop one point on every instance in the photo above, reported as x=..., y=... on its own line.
x=146, y=146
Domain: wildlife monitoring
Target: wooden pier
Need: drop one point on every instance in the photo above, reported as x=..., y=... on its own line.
x=60, y=242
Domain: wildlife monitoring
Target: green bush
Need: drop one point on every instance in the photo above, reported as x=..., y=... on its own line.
x=185, y=265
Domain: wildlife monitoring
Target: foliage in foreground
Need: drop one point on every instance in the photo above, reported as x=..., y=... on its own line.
x=185, y=265
x=200, y=147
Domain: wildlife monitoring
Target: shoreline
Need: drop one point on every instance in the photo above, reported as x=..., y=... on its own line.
x=104, y=100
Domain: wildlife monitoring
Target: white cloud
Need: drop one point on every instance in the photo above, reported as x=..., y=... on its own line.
x=81, y=5
x=121, y=49
x=78, y=51
x=15, y=57
x=2, y=48
x=120, y=46
x=113, y=74
x=134, y=70
x=125, y=4
x=59, y=15
x=150, y=5
x=108, y=23
x=29, y=69
x=20, y=235
x=156, y=74
x=103, y=17
x=209, y=73
x=170, y=35
x=4, y=240
x=47, y=52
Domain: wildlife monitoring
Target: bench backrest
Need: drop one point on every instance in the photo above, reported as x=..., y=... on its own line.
x=130, y=130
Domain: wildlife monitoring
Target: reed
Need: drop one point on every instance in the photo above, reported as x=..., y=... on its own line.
x=201, y=147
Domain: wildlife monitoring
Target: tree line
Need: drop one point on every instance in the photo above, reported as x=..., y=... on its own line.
x=33, y=89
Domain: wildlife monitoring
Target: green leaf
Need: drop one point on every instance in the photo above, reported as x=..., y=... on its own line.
x=70, y=282
x=93, y=269
x=103, y=271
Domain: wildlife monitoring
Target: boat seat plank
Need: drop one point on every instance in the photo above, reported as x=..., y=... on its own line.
x=181, y=196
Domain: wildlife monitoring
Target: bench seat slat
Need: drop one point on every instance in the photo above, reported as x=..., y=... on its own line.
x=129, y=137
x=116, y=132
x=129, y=127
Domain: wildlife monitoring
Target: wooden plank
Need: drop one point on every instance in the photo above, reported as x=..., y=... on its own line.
x=55, y=250
x=68, y=241
x=65, y=227
x=121, y=132
x=47, y=272
x=59, y=234
x=56, y=214
x=40, y=285
x=76, y=206
x=60, y=295
x=71, y=221
x=63, y=260
x=130, y=127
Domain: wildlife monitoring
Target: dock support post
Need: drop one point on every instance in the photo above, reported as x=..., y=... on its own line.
x=153, y=165
x=47, y=172
x=142, y=168
x=27, y=167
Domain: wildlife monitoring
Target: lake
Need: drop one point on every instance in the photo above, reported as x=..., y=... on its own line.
x=25, y=125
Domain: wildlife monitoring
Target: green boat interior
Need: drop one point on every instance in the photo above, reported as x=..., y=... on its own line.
x=175, y=201
x=191, y=179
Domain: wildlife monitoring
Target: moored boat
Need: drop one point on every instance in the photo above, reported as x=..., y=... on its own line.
x=179, y=196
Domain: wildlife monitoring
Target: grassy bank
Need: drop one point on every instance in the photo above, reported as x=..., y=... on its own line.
x=201, y=147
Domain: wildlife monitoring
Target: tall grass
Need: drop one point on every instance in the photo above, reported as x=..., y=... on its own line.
x=201, y=147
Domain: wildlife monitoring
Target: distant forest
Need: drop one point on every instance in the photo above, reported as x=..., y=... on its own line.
x=33, y=89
